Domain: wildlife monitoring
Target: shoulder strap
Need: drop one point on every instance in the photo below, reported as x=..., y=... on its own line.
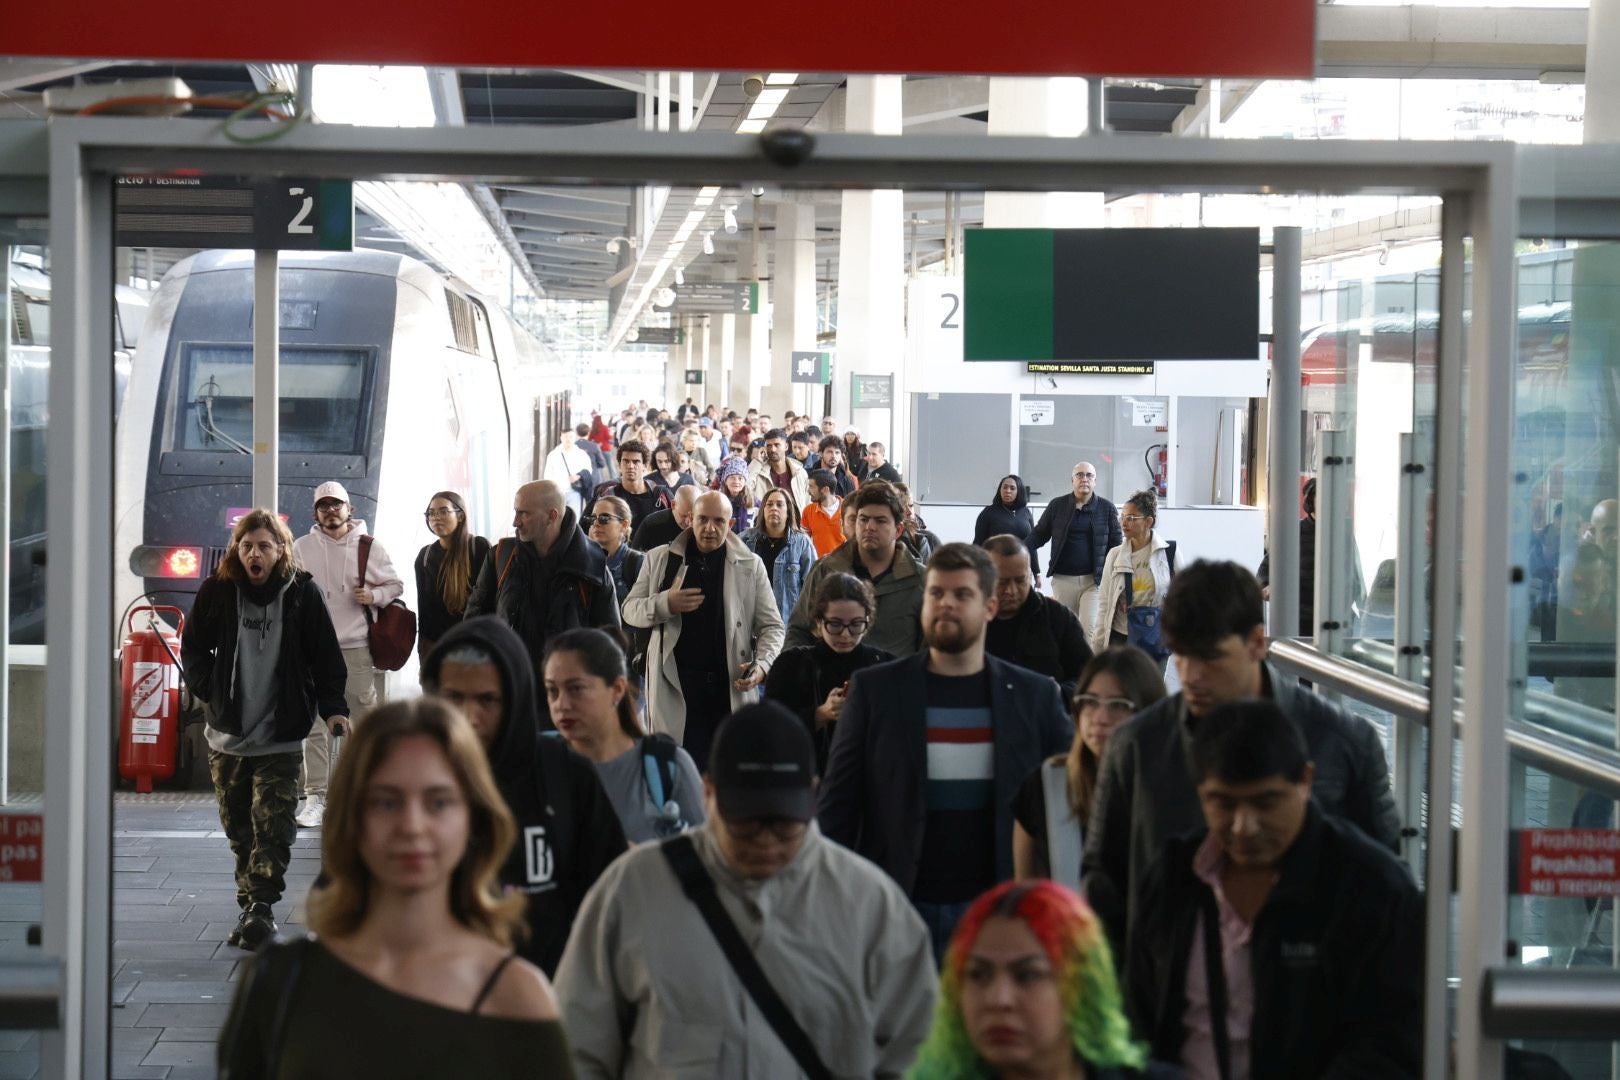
x=1172, y=554
x=672, y=566
x=699, y=888
x=658, y=765
x=489, y=983
x=365, y=556
x=1062, y=831
x=1210, y=917
x=507, y=569
x=285, y=992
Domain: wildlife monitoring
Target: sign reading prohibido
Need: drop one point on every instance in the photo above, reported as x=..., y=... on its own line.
x=1111, y=294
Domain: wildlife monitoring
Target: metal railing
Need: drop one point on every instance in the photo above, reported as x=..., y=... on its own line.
x=1541, y=1003
x=1560, y=737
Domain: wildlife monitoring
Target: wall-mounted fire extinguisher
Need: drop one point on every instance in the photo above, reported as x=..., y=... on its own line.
x=1157, y=459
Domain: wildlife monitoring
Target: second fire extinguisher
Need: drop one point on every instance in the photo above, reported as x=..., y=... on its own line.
x=1159, y=467
x=149, y=722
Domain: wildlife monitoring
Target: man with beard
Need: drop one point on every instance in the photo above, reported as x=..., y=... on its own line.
x=260, y=653
x=944, y=738
x=876, y=553
x=778, y=470
x=831, y=453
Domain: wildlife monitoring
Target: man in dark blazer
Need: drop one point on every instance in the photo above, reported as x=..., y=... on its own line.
x=931, y=750
x=1083, y=528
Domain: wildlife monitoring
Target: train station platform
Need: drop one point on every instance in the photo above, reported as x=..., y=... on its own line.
x=174, y=901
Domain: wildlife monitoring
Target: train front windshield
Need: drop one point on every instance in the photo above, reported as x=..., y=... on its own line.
x=322, y=391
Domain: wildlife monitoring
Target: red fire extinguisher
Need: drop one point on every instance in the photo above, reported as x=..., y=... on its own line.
x=149, y=723
x=1159, y=468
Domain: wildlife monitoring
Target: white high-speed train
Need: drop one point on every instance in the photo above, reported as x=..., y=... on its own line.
x=395, y=380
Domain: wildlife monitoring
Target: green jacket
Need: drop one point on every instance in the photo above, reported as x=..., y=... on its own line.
x=897, y=626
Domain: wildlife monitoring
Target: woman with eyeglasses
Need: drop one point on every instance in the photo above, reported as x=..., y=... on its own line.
x=1117, y=684
x=667, y=470
x=813, y=679
x=610, y=528
x=1135, y=580
x=445, y=569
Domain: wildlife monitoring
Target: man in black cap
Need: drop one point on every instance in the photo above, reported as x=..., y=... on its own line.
x=644, y=981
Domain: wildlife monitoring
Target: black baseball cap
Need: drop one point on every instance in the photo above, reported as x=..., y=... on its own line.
x=763, y=765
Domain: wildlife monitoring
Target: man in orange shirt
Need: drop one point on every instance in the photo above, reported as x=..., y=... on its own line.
x=821, y=518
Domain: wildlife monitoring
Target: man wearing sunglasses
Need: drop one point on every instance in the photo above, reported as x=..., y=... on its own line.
x=1031, y=630
x=645, y=984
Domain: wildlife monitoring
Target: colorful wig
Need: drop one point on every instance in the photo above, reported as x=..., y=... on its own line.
x=1073, y=938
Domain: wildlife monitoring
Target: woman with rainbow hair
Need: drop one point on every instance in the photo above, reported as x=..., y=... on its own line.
x=1028, y=991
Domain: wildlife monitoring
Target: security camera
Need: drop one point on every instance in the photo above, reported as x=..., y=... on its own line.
x=752, y=85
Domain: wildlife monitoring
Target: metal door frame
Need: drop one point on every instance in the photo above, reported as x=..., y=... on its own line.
x=1477, y=181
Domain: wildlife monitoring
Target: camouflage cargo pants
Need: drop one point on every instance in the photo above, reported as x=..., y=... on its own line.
x=258, y=797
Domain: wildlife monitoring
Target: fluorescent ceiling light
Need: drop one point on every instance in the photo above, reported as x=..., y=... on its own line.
x=705, y=196
x=772, y=97
x=781, y=78
x=373, y=96
x=751, y=127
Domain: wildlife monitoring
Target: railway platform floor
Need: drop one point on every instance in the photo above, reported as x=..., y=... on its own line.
x=174, y=901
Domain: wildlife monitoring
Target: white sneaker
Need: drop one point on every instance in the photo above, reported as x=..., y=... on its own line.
x=310, y=816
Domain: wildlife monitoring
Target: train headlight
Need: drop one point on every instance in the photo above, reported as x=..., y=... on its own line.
x=166, y=562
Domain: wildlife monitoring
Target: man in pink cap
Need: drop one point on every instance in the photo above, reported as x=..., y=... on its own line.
x=331, y=551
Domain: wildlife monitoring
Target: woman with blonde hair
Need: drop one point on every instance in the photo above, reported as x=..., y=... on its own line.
x=410, y=971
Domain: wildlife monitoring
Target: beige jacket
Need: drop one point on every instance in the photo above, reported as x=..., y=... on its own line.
x=646, y=992
x=753, y=628
x=759, y=483
x=1111, y=589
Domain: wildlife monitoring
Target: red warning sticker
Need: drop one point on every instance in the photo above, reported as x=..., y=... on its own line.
x=22, y=847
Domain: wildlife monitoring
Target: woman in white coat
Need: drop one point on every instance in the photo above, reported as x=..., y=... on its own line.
x=730, y=646
x=1146, y=561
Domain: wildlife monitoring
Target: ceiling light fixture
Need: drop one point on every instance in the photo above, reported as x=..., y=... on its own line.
x=750, y=127
x=708, y=243
x=680, y=276
x=731, y=221
x=705, y=196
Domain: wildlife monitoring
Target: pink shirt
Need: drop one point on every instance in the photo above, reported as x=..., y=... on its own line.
x=1198, y=1053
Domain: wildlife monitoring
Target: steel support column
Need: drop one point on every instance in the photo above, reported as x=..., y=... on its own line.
x=1282, y=517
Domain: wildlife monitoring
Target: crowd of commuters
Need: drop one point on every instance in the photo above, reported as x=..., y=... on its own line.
x=774, y=782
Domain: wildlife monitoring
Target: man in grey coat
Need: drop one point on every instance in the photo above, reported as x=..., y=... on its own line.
x=644, y=988
x=1214, y=622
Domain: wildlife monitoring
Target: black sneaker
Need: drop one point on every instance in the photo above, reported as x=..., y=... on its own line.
x=235, y=937
x=257, y=927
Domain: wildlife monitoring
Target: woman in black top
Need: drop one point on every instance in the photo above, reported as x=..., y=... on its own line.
x=412, y=932
x=813, y=679
x=855, y=454
x=1009, y=513
x=445, y=569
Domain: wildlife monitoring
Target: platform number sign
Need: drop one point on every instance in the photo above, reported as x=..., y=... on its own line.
x=263, y=213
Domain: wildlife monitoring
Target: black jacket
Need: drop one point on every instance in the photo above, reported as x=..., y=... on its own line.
x=656, y=529
x=1307, y=575
x=885, y=471
x=1045, y=638
x=874, y=799
x=568, y=831
x=1336, y=957
x=1145, y=795
x=309, y=669
x=432, y=617
x=801, y=678
x=1054, y=526
x=999, y=519
x=569, y=588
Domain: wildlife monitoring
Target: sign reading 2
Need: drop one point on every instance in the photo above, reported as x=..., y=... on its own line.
x=297, y=226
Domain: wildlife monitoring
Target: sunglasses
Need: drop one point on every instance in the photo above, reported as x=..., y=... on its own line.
x=604, y=519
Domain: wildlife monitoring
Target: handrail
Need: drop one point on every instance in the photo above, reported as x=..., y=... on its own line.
x=1579, y=760
x=1551, y=1003
x=30, y=994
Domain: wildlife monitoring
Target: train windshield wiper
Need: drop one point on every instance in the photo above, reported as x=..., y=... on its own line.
x=205, y=418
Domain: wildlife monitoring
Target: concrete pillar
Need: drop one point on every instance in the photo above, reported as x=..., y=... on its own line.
x=1603, y=72
x=751, y=361
x=674, y=376
x=871, y=276
x=727, y=332
x=714, y=369
x=793, y=314
x=1052, y=107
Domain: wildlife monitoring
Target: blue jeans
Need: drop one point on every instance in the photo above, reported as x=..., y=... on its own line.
x=941, y=920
